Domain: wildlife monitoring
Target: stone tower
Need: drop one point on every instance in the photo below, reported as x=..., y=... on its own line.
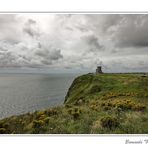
x=99, y=70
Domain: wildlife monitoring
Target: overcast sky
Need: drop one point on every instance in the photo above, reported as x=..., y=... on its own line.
x=74, y=42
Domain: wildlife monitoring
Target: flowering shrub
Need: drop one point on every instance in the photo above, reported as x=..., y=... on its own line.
x=109, y=122
x=95, y=89
x=37, y=123
x=46, y=120
x=119, y=104
x=123, y=104
x=110, y=95
x=51, y=112
x=3, y=131
x=75, y=112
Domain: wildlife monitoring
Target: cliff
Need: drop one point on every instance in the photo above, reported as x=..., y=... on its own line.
x=94, y=104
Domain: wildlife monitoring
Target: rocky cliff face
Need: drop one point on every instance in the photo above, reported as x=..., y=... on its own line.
x=79, y=88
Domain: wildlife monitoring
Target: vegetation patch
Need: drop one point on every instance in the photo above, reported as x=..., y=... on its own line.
x=109, y=122
x=95, y=89
x=75, y=112
x=3, y=131
x=118, y=103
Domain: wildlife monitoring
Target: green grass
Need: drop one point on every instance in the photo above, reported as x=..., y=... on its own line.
x=94, y=104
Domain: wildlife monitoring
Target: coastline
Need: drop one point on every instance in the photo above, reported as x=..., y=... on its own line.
x=92, y=102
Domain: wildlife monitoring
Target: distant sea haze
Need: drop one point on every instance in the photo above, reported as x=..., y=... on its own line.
x=22, y=93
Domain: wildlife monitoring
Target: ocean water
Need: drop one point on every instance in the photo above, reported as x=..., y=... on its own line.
x=22, y=93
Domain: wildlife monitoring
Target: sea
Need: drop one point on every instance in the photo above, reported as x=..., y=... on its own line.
x=22, y=93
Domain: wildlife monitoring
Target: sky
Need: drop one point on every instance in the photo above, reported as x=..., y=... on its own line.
x=73, y=42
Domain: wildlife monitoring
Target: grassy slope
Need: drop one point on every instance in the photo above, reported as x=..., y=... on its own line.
x=106, y=103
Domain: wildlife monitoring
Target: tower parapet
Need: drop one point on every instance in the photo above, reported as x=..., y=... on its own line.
x=99, y=70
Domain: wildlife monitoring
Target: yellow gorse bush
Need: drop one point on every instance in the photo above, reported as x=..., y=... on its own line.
x=118, y=103
x=110, y=95
x=75, y=112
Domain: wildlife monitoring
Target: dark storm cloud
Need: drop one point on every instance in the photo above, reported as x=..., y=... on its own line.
x=15, y=55
x=31, y=28
x=93, y=42
x=81, y=28
x=47, y=55
x=68, y=28
x=10, y=59
x=132, y=31
x=124, y=30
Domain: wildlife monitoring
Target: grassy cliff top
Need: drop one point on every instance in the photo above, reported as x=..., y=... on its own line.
x=94, y=104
